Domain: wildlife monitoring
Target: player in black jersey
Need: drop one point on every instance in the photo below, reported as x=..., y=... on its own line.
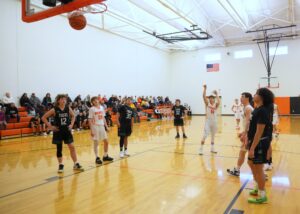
x=259, y=138
x=125, y=123
x=64, y=119
x=178, y=112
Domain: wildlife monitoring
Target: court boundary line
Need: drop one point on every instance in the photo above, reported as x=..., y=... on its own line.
x=153, y=171
x=72, y=174
x=237, y=195
x=187, y=144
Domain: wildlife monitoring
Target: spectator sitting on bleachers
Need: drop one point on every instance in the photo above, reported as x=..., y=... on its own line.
x=12, y=112
x=2, y=119
x=35, y=100
x=7, y=99
x=167, y=101
x=69, y=100
x=47, y=100
x=25, y=102
x=157, y=113
x=1, y=103
x=78, y=98
x=87, y=101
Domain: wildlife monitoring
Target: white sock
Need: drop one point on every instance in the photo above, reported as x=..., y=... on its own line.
x=105, y=154
x=212, y=146
x=262, y=193
x=201, y=147
x=96, y=143
x=255, y=185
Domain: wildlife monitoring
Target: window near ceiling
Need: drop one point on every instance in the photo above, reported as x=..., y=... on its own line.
x=281, y=50
x=212, y=57
x=243, y=54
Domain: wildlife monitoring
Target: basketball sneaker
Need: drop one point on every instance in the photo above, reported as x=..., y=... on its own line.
x=184, y=136
x=78, y=167
x=98, y=161
x=234, y=172
x=268, y=167
x=253, y=192
x=213, y=150
x=60, y=168
x=177, y=136
x=107, y=158
x=121, y=154
x=201, y=151
x=126, y=153
x=260, y=200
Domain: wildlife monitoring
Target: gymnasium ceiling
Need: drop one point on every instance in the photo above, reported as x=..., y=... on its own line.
x=226, y=20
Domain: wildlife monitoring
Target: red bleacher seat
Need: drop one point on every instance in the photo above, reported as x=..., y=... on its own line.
x=26, y=131
x=25, y=119
x=23, y=114
x=21, y=125
x=21, y=109
x=12, y=132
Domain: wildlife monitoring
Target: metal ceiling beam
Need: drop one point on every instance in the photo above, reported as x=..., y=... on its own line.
x=267, y=18
x=152, y=11
x=292, y=13
x=219, y=38
x=233, y=13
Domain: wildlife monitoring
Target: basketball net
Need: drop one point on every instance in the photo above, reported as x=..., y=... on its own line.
x=94, y=9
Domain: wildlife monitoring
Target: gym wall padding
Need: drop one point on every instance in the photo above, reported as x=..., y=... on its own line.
x=283, y=105
x=295, y=105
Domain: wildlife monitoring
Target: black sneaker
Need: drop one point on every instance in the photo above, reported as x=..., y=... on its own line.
x=78, y=167
x=234, y=172
x=98, y=161
x=184, y=136
x=60, y=168
x=107, y=158
x=177, y=136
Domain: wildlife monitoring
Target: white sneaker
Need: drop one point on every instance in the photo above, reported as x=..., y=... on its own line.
x=213, y=150
x=268, y=167
x=126, y=153
x=45, y=134
x=121, y=154
x=200, y=151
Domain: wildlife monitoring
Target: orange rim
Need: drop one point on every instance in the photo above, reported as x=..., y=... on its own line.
x=66, y=8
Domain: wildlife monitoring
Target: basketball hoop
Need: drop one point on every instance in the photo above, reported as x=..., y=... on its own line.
x=102, y=8
x=269, y=82
x=29, y=15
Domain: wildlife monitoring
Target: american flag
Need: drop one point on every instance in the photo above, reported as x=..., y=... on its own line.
x=213, y=67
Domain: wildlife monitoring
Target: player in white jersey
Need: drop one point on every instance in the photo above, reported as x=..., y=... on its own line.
x=275, y=120
x=246, y=99
x=98, y=128
x=237, y=109
x=210, y=127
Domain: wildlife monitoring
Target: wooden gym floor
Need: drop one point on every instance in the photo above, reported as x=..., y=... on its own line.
x=163, y=175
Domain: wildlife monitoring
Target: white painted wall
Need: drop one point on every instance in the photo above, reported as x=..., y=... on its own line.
x=236, y=75
x=48, y=56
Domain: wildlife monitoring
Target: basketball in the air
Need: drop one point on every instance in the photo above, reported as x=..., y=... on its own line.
x=77, y=21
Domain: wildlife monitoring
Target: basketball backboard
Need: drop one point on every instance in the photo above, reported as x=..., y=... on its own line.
x=57, y=7
x=268, y=82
